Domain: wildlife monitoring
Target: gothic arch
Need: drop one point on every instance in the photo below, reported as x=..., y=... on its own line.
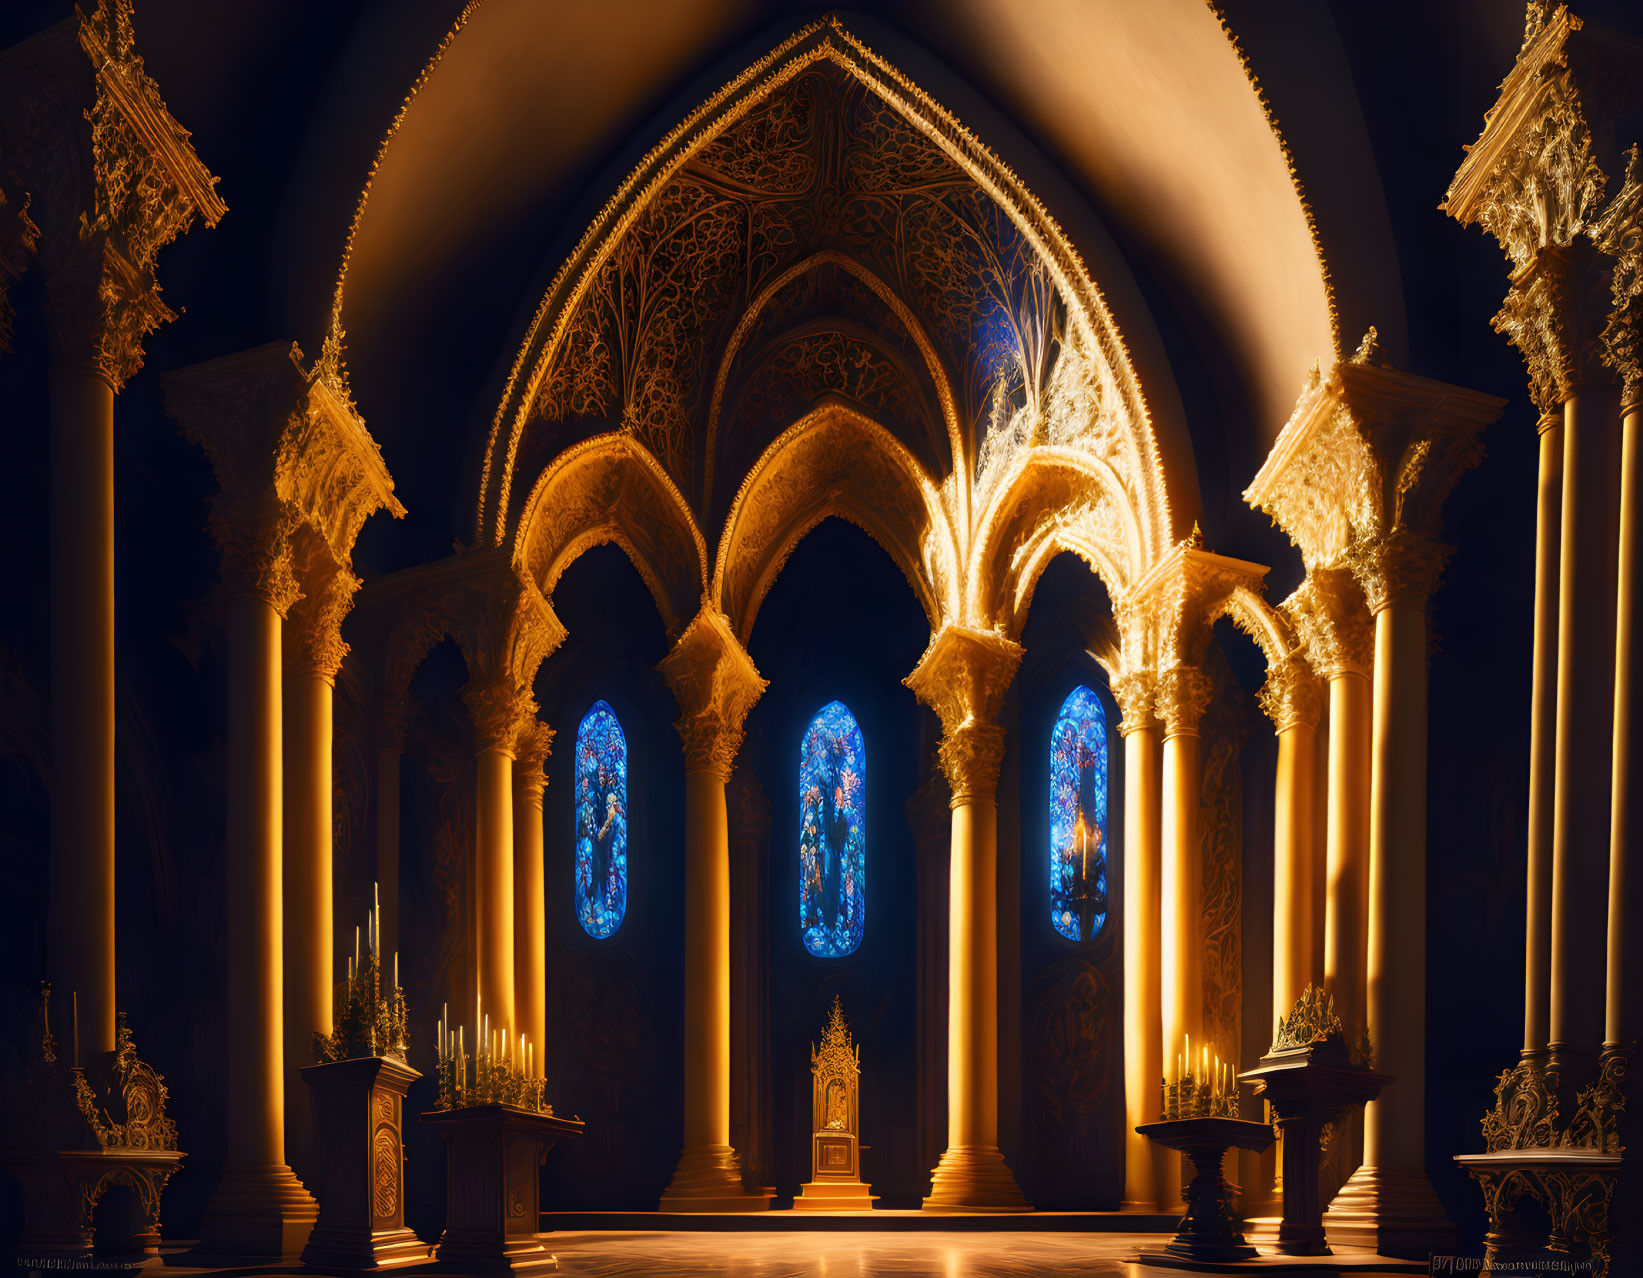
x=611, y=489
x=1049, y=499
x=834, y=462
x=623, y=334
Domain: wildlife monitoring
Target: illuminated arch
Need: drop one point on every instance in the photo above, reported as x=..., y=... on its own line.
x=834, y=462
x=609, y=489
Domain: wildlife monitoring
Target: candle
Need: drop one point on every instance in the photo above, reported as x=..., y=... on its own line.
x=376, y=916
x=396, y=971
x=75, y=999
x=356, y=947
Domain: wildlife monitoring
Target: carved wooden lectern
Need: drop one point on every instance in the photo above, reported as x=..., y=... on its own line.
x=835, y=1149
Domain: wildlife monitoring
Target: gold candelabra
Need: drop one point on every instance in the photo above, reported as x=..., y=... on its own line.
x=369, y=1021
x=501, y=1070
x=1210, y=1091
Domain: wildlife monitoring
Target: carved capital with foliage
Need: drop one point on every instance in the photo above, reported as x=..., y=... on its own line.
x=313, y=633
x=1184, y=693
x=19, y=238
x=716, y=684
x=530, y=753
x=964, y=676
x=255, y=539
x=1619, y=232
x=1333, y=622
x=113, y=180
x=1292, y=695
x=1400, y=566
x=1136, y=692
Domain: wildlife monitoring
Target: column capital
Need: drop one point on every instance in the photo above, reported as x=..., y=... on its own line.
x=1365, y=463
x=1535, y=175
x=1333, y=622
x=964, y=676
x=1165, y=617
x=1619, y=231
x=1291, y=696
x=1553, y=313
x=313, y=635
x=716, y=684
x=1184, y=694
x=254, y=537
x=1136, y=692
x=530, y=753
x=113, y=178
x=281, y=437
x=1402, y=565
x=502, y=713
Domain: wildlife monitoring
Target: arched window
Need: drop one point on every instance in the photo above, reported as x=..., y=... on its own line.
x=1078, y=816
x=601, y=821
x=832, y=833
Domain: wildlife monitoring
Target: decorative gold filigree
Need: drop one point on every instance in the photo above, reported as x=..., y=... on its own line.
x=19, y=238
x=1333, y=622
x=1312, y=1020
x=1618, y=231
x=1291, y=695
x=137, y=1091
x=530, y=753
x=1136, y=692
x=1184, y=694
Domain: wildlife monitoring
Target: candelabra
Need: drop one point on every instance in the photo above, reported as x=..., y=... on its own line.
x=501, y=1070
x=369, y=1022
x=1208, y=1093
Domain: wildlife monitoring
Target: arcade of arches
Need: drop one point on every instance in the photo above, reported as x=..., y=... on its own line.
x=849, y=599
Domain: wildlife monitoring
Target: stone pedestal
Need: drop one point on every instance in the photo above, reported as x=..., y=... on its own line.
x=1310, y=1089
x=358, y=1110
x=62, y=1188
x=493, y=1158
x=1207, y=1233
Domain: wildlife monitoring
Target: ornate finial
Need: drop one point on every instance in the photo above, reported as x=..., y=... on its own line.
x=1195, y=539
x=1534, y=20
x=1369, y=350
x=1313, y=1022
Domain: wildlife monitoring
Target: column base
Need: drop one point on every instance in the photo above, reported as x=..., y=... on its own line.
x=258, y=1212
x=1391, y=1213
x=975, y=1178
x=709, y=1179
x=834, y=1195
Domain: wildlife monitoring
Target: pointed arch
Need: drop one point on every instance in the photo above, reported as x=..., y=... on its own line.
x=1074, y=317
x=611, y=489
x=1049, y=500
x=834, y=462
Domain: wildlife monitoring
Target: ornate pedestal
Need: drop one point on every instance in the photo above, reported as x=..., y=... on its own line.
x=1311, y=1090
x=1571, y=1188
x=72, y=1135
x=835, y=1151
x=493, y=1155
x=1208, y=1233
x=358, y=1113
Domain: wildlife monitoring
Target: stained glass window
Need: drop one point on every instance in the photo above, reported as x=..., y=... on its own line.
x=832, y=833
x=601, y=821
x=1078, y=816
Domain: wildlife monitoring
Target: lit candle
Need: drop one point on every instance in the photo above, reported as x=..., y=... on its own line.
x=376, y=917
x=356, y=947
x=1189, y=1049
x=396, y=971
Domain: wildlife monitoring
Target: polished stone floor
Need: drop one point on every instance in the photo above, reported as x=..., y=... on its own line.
x=992, y=1254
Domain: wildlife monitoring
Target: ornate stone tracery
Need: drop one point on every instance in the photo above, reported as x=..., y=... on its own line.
x=822, y=158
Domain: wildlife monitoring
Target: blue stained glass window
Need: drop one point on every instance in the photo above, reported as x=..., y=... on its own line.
x=601, y=821
x=1078, y=817
x=832, y=833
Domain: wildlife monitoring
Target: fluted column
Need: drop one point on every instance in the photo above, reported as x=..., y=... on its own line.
x=716, y=684
x=963, y=676
x=1143, y=1022
x=530, y=925
x=260, y=1208
x=1291, y=700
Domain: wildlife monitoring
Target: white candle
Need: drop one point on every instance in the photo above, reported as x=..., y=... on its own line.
x=356, y=947
x=376, y=917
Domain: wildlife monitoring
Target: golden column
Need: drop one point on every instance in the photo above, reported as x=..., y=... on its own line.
x=1143, y=903
x=1330, y=615
x=716, y=684
x=1184, y=693
x=963, y=676
x=530, y=924
x=1290, y=698
x=506, y=629
x=313, y=654
x=1357, y=478
x=298, y=472
x=102, y=178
